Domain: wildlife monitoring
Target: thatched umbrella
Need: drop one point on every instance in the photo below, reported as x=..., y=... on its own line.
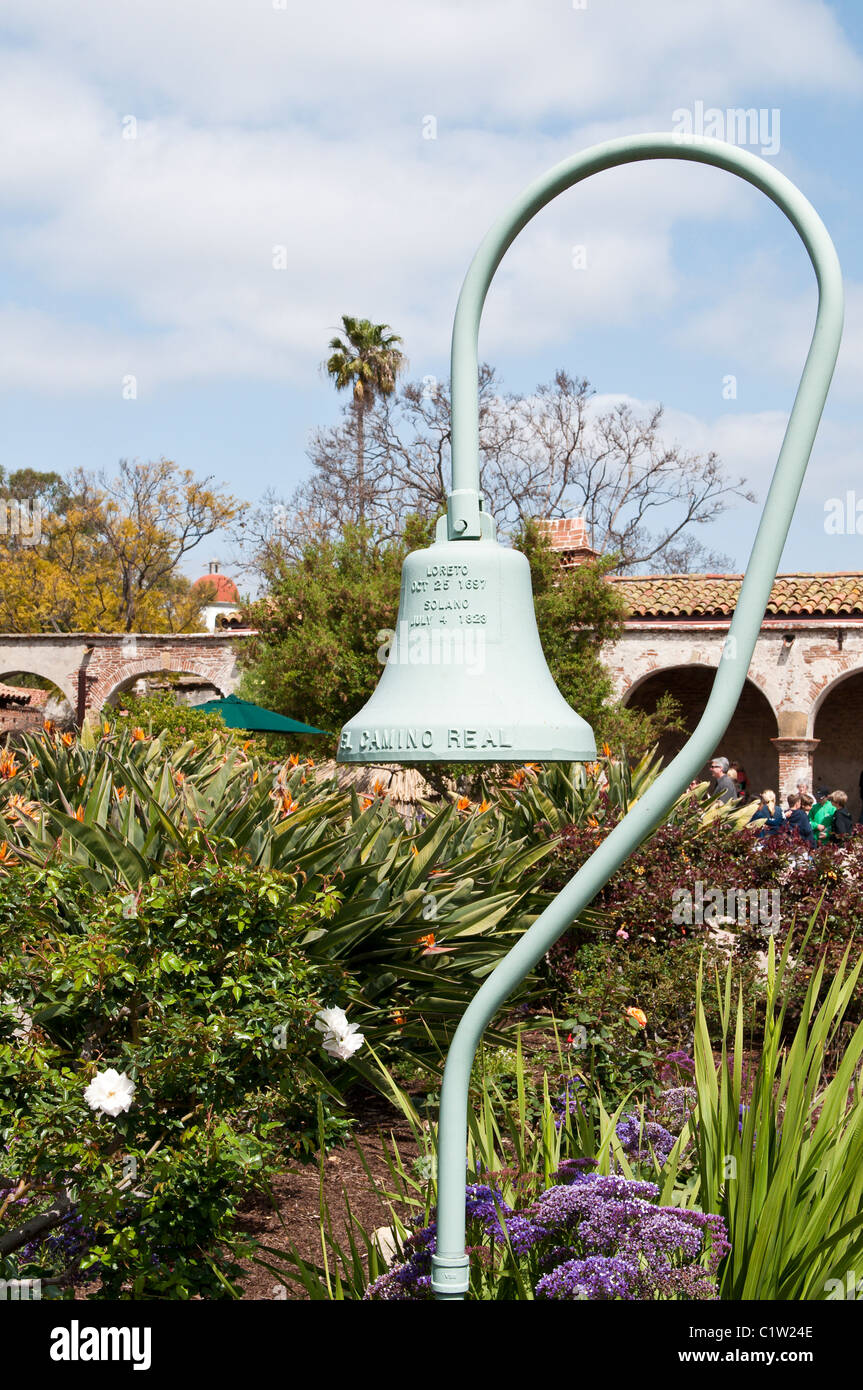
x=405, y=787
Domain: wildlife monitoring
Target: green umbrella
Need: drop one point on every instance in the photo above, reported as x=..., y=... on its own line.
x=241, y=714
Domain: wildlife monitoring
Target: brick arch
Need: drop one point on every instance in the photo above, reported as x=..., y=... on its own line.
x=629, y=689
x=837, y=736
x=29, y=667
x=826, y=690
x=751, y=730
x=217, y=672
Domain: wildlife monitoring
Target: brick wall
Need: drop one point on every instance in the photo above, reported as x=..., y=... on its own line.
x=20, y=720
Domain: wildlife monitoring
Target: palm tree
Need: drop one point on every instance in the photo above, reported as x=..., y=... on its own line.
x=370, y=362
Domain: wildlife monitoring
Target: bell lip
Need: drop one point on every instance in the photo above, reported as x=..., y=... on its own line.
x=462, y=755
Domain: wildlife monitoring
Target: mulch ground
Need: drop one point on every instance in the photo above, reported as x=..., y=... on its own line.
x=295, y=1221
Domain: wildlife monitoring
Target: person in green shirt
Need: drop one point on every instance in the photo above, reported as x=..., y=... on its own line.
x=821, y=816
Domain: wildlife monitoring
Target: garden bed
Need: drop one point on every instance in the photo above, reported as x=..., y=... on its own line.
x=295, y=1221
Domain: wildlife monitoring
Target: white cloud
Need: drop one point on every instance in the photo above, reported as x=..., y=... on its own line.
x=506, y=60
x=260, y=127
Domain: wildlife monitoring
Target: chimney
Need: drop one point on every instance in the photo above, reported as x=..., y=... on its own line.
x=569, y=538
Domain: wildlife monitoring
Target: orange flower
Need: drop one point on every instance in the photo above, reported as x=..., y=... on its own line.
x=593, y=822
x=106, y=727
x=399, y=1018
x=463, y=804
x=288, y=804
x=48, y=725
x=138, y=735
x=8, y=765
x=606, y=750
x=18, y=808
x=255, y=775
x=6, y=855
x=484, y=805
x=67, y=739
x=294, y=759
x=378, y=787
x=81, y=780
x=533, y=767
x=367, y=802
x=179, y=778
x=121, y=792
x=517, y=778
x=430, y=949
x=79, y=814
x=638, y=1016
x=414, y=849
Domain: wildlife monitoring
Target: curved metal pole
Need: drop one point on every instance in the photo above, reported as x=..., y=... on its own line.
x=450, y=1264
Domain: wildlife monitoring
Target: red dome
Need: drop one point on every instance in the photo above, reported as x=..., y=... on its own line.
x=225, y=590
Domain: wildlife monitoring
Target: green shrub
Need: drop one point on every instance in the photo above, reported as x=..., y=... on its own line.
x=161, y=714
x=196, y=990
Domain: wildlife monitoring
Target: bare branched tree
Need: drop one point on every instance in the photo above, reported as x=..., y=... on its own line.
x=547, y=454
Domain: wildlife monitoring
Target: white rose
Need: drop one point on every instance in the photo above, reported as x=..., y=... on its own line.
x=341, y=1039
x=110, y=1091
x=345, y=1046
x=332, y=1021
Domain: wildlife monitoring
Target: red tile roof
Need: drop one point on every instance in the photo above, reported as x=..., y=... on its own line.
x=715, y=595
x=24, y=695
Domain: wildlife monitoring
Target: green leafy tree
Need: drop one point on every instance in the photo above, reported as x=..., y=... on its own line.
x=577, y=613
x=102, y=553
x=368, y=361
x=316, y=656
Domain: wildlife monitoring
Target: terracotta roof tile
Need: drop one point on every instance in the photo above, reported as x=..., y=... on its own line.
x=25, y=695
x=715, y=595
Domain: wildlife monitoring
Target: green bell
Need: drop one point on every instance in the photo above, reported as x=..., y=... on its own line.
x=465, y=678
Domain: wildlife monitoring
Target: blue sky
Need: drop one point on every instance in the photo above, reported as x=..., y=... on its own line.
x=255, y=124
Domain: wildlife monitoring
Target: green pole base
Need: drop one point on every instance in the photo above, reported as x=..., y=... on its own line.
x=450, y=1276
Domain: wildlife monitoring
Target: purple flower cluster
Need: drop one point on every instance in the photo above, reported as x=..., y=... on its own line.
x=574, y=1169
x=411, y=1279
x=67, y=1242
x=567, y=1102
x=641, y=1139
x=589, y=1236
x=597, y=1277
x=675, y=1106
x=673, y=1064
